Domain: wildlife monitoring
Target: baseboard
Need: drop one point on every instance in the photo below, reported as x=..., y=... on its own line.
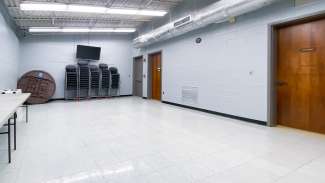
x=57, y=99
x=264, y=123
x=125, y=96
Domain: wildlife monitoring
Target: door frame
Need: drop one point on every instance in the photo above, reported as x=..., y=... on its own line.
x=272, y=59
x=133, y=83
x=149, y=74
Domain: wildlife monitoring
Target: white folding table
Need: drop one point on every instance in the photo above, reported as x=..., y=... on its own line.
x=9, y=103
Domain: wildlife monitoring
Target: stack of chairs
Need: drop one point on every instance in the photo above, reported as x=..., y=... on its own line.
x=115, y=81
x=104, y=80
x=71, y=82
x=94, y=81
x=84, y=81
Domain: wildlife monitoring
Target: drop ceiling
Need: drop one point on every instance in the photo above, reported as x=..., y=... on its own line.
x=25, y=19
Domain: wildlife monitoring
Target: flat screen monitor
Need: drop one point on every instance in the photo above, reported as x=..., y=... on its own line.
x=88, y=52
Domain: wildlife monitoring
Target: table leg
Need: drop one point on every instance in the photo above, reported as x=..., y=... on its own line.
x=15, y=131
x=9, y=142
x=26, y=113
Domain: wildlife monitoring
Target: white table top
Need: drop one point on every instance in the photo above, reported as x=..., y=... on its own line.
x=9, y=103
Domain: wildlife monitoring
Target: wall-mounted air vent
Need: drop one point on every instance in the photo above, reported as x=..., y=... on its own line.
x=190, y=95
x=183, y=21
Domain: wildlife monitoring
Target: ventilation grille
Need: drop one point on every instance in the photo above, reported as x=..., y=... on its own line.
x=190, y=94
x=183, y=21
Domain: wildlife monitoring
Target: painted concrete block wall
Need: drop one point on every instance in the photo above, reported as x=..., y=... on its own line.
x=52, y=53
x=9, y=56
x=230, y=66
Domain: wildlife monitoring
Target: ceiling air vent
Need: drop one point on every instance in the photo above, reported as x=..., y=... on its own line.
x=183, y=21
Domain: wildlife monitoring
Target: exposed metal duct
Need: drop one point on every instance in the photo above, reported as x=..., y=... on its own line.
x=218, y=12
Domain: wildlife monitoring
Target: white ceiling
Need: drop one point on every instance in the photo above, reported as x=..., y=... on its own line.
x=26, y=19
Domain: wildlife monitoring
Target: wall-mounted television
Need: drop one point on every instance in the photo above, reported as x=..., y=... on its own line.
x=88, y=52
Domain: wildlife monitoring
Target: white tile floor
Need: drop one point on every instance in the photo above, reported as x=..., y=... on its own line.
x=131, y=140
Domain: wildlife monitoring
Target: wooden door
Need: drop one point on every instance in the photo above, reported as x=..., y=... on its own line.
x=156, y=75
x=301, y=76
x=137, y=76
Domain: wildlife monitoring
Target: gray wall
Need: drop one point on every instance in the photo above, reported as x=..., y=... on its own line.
x=230, y=66
x=52, y=53
x=9, y=56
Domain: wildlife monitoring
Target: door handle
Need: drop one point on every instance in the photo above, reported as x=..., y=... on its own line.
x=307, y=49
x=281, y=83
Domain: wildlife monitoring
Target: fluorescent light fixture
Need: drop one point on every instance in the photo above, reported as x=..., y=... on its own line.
x=121, y=30
x=43, y=7
x=86, y=9
x=152, y=13
x=29, y=6
x=44, y=29
x=79, y=30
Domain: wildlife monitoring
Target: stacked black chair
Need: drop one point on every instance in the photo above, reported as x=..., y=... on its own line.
x=94, y=81
x=104, y=80
x=71, y=82
x=113, y=70
x=115, y=81
x=84, y=81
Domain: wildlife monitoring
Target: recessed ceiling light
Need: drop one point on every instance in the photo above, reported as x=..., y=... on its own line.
x=34, y=6
x=79, y=30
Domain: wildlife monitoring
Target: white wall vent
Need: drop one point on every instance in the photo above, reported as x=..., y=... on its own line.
x=190, y=95
x=183, y=21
